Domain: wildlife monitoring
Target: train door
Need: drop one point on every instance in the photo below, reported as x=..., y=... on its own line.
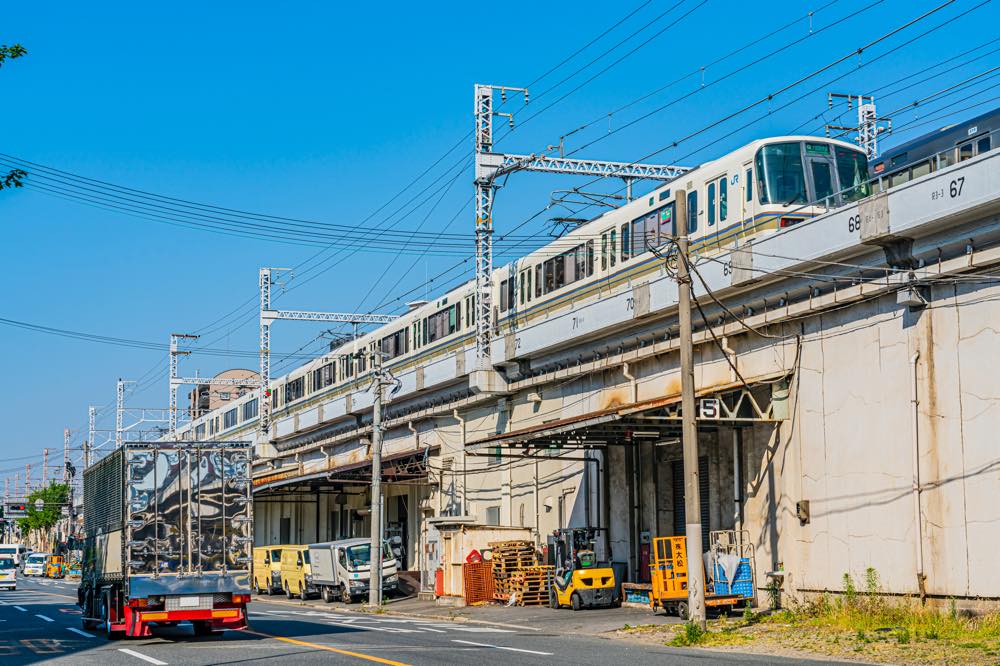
x=747, y=199
x=821, y=175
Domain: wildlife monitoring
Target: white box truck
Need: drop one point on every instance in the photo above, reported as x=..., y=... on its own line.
x=341, y=569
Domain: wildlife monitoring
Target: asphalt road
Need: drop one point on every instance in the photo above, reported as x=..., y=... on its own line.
x=40, y=622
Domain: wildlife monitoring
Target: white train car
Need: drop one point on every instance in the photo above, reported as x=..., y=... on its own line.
x=763, y=186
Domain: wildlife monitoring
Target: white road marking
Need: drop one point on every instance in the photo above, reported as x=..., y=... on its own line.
x=23, y=610
x=47, y=619
x=82, y=633
x=501, y=647
x=139, y=655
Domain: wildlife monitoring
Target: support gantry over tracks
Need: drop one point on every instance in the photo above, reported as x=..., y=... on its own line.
x=267, y=316
x=490, y=166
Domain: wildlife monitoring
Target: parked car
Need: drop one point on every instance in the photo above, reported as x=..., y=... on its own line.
x=8, y=573
x=267, y=569
x=35, y=564
x=296, y=572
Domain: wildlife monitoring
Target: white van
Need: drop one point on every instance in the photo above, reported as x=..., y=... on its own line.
x=34, y=564
x=15, y=551
x=341, y=569
x=8, y=573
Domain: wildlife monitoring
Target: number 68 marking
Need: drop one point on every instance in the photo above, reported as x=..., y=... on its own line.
x=854, y=223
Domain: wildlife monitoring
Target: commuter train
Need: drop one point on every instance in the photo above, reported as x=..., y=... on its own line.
x=764, y=186
x=936, y=150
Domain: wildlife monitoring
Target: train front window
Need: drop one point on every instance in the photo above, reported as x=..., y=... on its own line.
x=780, y=176
x=852, y=168
x=822, y=180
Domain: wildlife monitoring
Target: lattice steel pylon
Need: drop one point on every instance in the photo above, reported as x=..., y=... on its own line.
x=490, y=166
x=268, y=316
x=869, y=124
x=177, y=381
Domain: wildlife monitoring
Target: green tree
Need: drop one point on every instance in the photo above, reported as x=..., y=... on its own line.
x=14, y=177
x=53, y=496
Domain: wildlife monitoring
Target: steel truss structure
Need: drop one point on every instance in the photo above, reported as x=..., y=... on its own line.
x=491, y=166
x=869, y=126
x=268, y=316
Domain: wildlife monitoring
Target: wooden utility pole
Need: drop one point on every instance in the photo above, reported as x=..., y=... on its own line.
x=689, y=425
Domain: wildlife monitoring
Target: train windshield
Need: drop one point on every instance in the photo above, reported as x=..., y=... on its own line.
x=788, y=175
x=852, y=167
x=779, y=174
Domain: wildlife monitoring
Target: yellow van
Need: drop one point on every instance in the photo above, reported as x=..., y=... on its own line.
x=267, y=569
x=296, y=574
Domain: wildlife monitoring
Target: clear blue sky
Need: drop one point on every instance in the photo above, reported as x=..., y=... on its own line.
x=324, y=111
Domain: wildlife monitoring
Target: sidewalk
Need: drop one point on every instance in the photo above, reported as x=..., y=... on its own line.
x=535, y=618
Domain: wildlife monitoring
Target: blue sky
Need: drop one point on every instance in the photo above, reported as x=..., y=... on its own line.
x=324, y=111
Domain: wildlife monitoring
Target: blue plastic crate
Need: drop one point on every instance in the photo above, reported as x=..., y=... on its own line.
x=742, y=583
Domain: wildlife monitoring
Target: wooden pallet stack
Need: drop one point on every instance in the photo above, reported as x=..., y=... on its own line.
x=531, y=585
x=516, y=571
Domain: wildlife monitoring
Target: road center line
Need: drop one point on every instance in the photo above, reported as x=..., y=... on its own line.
x=139, y=655
x=82, y=633
x=328, y=648
x=44, y=617
x=501, y=647
x=21, y=608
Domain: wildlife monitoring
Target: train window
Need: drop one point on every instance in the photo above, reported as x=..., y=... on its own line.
x=664, y=195
x=249, y=409
x=274, y=399
x=645, y=233
x=590, y=258
x=395, y=344
x=295, y=389
x=983, y=145
x=723, y=198
x=946, y=158
x=898, y=160
x=527, y=278
x=852, y=168
x=899, y=178
x=748, y=186
x=965, y=152
x=604, y=252
x=213, y=425
x=520, y=288
x=780, y=177
x=614, y=246
x=666, y=220
x=921, y=169
x=625, y=242
x=322, y=377
x=199, y=431
x=822, y=178
x=504, y=298
x=692, y=211
x=442, y=323
x=229, y=418
x=711, y=204
x=538, y=280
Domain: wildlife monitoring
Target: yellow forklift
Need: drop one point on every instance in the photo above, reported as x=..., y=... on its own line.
x=580, y=580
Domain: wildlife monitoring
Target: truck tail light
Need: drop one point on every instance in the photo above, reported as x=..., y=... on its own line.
x=138, y=603
x=241, y=598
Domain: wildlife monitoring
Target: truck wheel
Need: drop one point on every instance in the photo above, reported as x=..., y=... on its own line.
x=575, y=600
x=203, y=628
x=327, y=593
x=87, y=609
x=345, y=595
x=682, y=610
x=106, y=618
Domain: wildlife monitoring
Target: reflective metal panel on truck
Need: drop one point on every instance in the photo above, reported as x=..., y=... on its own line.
x=189, y=512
